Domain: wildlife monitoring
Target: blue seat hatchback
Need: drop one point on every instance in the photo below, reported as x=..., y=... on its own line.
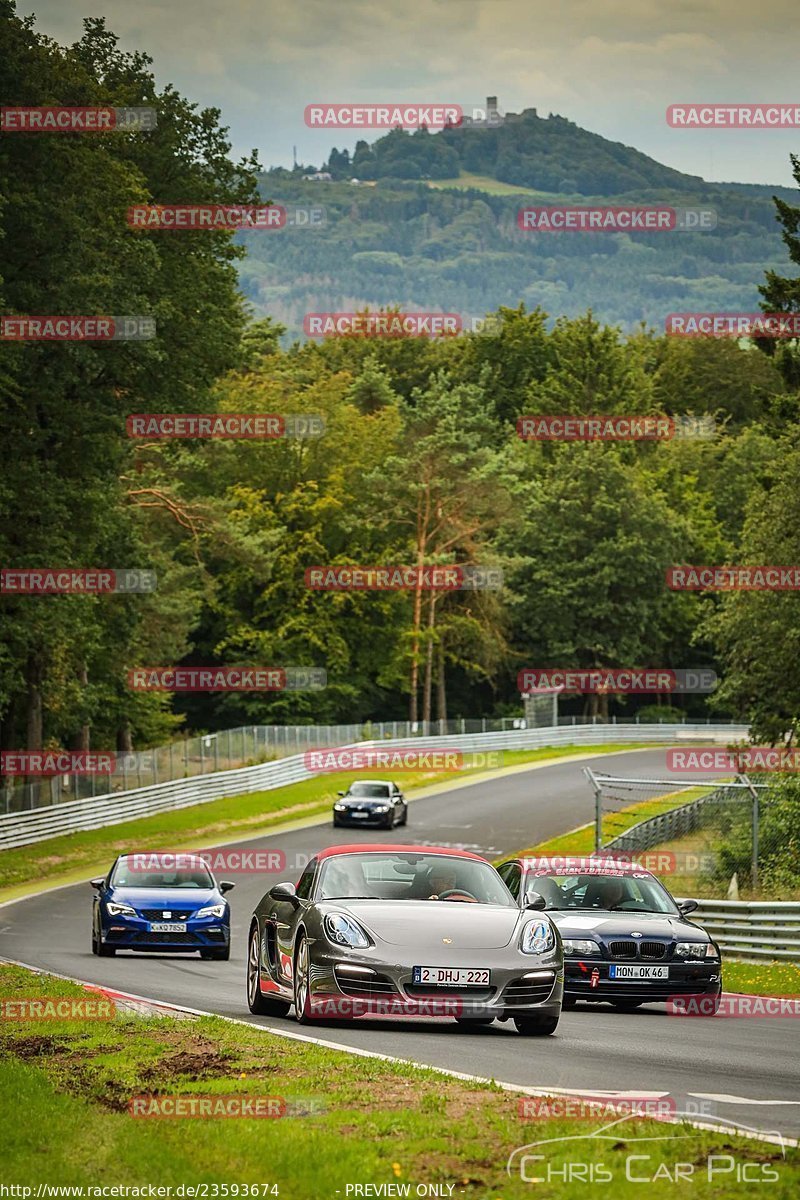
x=161, y=902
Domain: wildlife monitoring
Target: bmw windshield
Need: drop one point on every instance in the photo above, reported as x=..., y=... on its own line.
x=634, y=893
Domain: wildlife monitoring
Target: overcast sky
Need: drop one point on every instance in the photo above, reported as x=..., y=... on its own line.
x=611, y=66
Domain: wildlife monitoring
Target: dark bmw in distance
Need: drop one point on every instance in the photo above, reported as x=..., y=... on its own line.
x=161, y=902
x=374, y=802
x=626, y=940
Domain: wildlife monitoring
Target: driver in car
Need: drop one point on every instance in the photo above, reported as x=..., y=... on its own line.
x=441, y=880
x=609, y=893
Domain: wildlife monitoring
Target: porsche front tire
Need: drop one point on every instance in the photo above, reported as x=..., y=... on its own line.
x=537, y=1024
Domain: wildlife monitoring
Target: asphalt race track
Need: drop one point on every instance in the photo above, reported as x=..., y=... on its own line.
x=722, y=1069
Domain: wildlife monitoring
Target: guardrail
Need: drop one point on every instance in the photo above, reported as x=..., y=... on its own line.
x=753, y=928
x=24, y=828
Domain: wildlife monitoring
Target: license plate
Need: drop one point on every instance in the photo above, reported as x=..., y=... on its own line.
x=637, y=971
x=453, y=976
x=360, y=816
x=168, y=927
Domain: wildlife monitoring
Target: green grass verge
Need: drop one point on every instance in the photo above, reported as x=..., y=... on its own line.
x=762, y=979
x=75, y=856
x=65, y=1120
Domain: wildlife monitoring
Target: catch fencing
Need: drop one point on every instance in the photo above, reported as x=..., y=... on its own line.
x=24, y=828
x=248, y=745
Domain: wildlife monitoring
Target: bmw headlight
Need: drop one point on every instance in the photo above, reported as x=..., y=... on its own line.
x=695, y=950
x=344, y=931
x=339, y=807
x=213, y=910
x=120, y=910
x=584, y=947
x=381, y=808
x=537, y=937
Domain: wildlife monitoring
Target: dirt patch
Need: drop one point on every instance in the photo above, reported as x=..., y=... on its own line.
x=35, y=1046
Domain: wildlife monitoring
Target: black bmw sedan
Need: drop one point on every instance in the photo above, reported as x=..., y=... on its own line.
x=371, y=802
x=626, y=940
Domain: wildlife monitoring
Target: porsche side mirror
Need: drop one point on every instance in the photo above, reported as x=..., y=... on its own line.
x=225, y=885
x=341, y=793
x=535, y=900
x=285, y=892
x=97, y=884
x=687, y=906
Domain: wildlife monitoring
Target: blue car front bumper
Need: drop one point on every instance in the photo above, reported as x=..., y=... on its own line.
x=134, y=933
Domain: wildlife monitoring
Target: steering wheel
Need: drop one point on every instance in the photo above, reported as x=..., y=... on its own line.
x=459, y=893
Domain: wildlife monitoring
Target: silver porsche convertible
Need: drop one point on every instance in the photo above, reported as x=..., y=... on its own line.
x=379, y=930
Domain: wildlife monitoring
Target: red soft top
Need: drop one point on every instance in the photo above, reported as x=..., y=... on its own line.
x=372, y=848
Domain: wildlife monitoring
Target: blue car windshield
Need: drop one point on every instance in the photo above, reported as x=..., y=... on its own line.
x=128, y=874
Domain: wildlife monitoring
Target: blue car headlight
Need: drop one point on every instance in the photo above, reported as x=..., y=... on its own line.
x=538, y=937
x=213, y=910
x=119, y=910
x=344, y=931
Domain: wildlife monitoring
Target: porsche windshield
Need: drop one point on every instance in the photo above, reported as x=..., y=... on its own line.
x=410, y=876
x=611, y=893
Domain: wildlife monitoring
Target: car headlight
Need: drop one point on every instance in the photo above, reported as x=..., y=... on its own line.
x=537, y=937
x=344, y=931
x=213, y=910
x=382, y=808
x=582, y=946
x=120, y=910
x=695, y=950
x=339, y=807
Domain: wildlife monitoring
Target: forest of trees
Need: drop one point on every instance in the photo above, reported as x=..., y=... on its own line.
x=420, y=462
x=421, y=247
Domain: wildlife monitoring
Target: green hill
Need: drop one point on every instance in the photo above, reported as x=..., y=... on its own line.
x=438, y=230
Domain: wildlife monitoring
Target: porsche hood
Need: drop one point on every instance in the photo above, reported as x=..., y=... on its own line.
x=429, y=922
